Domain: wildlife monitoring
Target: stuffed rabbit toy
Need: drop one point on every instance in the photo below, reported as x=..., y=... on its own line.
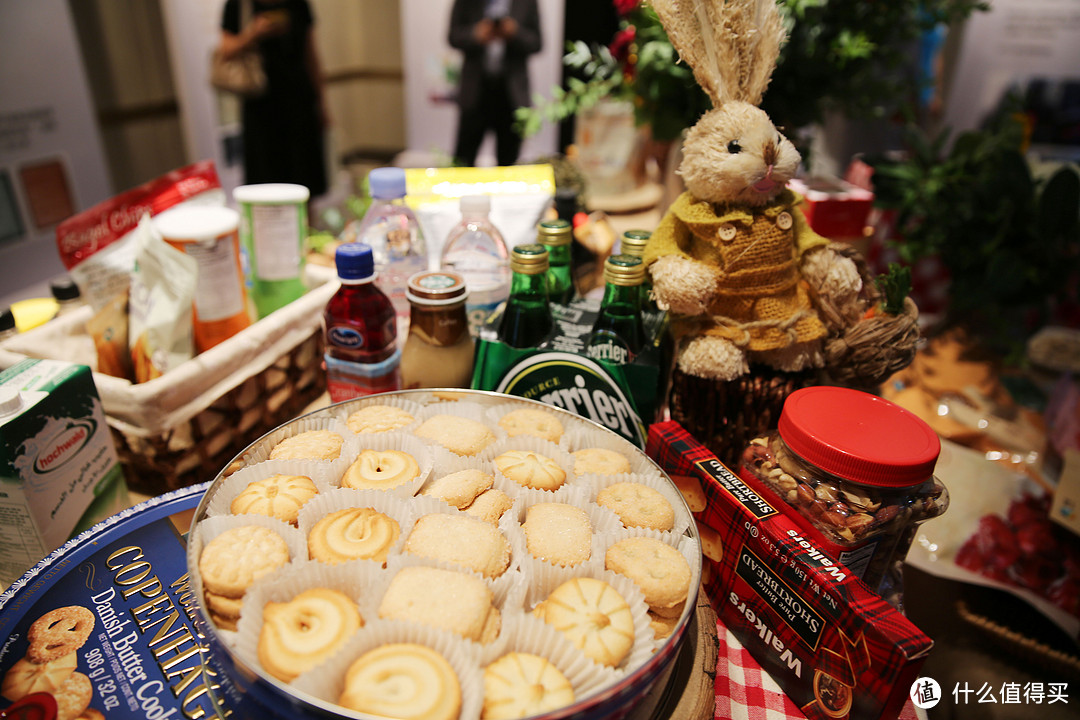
x=734, y=259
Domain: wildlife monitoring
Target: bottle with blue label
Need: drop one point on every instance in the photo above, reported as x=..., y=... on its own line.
x=475, y=249
x=360, y=326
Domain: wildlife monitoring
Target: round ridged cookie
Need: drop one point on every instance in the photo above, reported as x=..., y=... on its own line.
x=659, y=570
x=299, y=634
x=638, y=505
x=459, y=435
x=310, y=445
x=381, y=470
x=402, y=680
x=461, y=540
x=353, y=534
x=59, y=632
x=559, y=533
x=26, y=676
x=378, y=419
x=236, y=558
x=520, y=685
x=600, y=461
x=593, y=616
x=530, y=469
x=73, y=697
x=533, y=423
x=279, y=496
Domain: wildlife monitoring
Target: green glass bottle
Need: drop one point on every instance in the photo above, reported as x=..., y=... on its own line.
x=556, y=235
x=618, y=334
x=527, y=320
x=633, y=243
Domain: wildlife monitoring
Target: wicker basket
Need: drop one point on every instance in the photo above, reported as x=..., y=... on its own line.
x=182, y=428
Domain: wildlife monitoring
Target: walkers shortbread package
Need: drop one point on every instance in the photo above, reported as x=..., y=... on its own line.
x=836, y=648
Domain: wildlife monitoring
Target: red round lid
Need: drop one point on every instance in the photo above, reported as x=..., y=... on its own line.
x=859, y=436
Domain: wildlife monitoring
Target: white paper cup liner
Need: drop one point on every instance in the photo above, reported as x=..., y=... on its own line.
x=655, y=481
x=341, y=498
x=260, y=452
x=449, y=551
x=539, y=447
x=236, y=483
x=327, y=682
x=345, y=409
x=393, y=441
x=639, y=463
x=527, y=634
x=462, y=409
x=496, y=413
x=352, y=579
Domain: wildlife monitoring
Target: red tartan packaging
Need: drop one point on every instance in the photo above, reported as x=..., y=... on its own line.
x=837, y=649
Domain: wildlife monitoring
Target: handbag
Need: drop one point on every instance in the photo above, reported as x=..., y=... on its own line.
x=242, y=74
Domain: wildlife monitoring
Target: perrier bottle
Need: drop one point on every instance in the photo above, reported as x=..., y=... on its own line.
x=556, y=236
x=527, y=320
x=633, y=242
x=618, y=334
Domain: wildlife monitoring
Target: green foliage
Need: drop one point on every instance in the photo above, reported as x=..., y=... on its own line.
x=1010, y=240
x=895, y=285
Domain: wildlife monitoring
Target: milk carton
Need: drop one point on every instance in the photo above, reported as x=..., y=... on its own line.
x=59, y=473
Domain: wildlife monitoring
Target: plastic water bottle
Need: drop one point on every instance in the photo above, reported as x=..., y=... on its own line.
x=390, y=228
x=475, y=249
x=360, y=330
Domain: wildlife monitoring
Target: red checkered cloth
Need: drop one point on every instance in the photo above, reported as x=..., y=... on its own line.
x=745, y=692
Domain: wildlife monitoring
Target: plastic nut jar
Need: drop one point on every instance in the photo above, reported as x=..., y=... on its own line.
x=859, y=472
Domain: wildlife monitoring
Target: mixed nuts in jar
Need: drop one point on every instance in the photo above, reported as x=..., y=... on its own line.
x=859, y=472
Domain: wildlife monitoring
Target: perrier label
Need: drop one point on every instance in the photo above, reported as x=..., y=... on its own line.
x=619, y=333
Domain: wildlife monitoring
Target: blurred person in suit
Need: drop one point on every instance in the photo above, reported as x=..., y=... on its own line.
x=496, y=37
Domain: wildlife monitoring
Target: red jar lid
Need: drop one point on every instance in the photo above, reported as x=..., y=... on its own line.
x=859, y=436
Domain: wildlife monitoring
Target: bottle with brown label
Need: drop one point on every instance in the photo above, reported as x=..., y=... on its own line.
x=439, y=349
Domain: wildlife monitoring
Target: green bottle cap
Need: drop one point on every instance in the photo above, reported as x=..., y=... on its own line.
x=529, y=259
x=554, y=232
x=624, y=270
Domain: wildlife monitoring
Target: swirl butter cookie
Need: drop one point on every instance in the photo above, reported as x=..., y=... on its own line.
x=279, y=496
x=236, y=558
x=353, y=534
x=521, y=684
x=466, y=541
x=299, y=634
x=378, y=419
x=310, y=445
x=638, y=505
x=402, y=680
x=533, y=423
x=381, y=470
x=593, y=616
x=530, y=469
x=59, y=632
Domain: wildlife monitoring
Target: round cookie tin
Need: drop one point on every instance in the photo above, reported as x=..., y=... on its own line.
x=626, y=690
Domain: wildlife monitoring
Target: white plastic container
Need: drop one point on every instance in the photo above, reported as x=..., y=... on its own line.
x=476, y=250
x=210, y=235
x=273, y=226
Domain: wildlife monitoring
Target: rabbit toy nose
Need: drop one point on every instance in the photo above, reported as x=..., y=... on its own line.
x=769, y=154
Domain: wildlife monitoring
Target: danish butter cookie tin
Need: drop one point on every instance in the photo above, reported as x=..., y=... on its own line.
x=105, y=625
x=632, y=684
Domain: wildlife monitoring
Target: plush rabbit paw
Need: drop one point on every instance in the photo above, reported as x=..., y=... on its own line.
x=713, y=358
x=838, y=285
x=683, y=286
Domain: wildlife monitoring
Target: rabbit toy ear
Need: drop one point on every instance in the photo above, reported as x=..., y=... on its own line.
x=731, y=45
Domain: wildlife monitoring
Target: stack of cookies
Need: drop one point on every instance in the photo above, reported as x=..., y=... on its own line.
x=488, y=548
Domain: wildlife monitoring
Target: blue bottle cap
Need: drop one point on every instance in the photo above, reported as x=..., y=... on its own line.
x=354, y=261
x=387, y=183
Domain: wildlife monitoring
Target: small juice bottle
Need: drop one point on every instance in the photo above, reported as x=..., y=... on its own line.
x=360, y=326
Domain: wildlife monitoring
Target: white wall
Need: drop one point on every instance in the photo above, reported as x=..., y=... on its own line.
x=46, y=113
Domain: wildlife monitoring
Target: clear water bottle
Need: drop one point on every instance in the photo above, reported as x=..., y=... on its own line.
x=475, y=249
x=390, y=228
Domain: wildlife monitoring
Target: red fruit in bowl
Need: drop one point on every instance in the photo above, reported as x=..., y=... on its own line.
x=996, y=542
x=968, y=556
x=1037, y=538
